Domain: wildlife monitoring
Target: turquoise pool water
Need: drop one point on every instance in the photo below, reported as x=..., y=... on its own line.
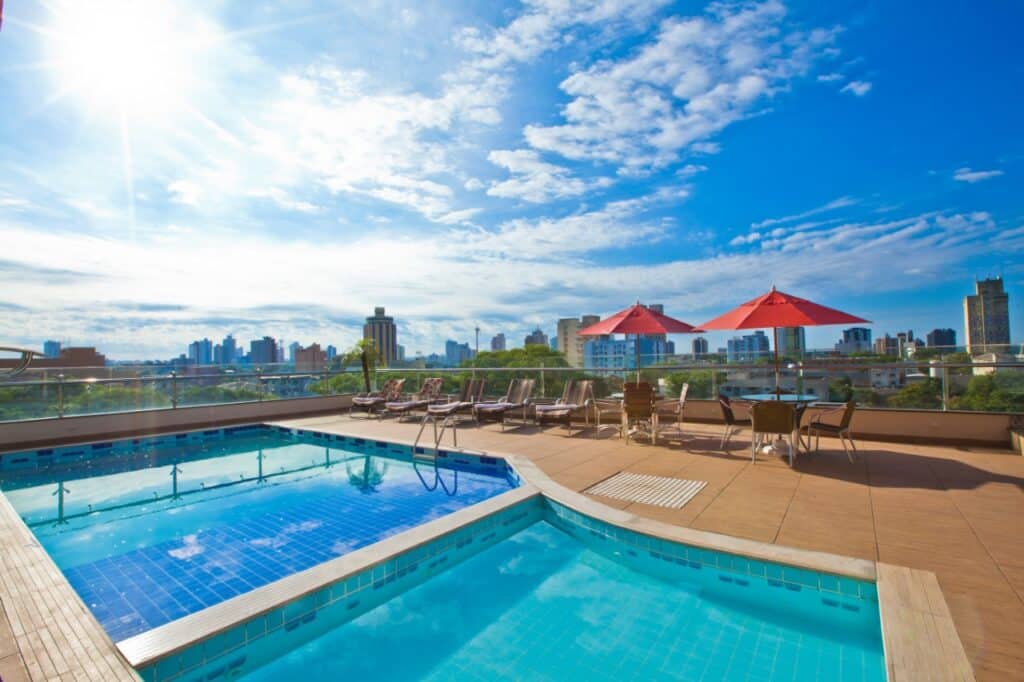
x=544, y=605
x=148, y=532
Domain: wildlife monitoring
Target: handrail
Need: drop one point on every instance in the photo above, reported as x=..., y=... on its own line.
x=56, y=395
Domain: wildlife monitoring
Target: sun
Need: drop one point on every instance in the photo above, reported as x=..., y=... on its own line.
x=135, y=58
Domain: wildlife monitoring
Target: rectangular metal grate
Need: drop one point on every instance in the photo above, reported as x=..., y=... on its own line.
x=660, y=491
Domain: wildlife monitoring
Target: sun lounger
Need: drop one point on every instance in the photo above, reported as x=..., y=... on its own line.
x=429, y=392
x=518, y=397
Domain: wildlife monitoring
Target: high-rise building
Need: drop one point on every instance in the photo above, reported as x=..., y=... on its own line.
x=941, y=338
x=400, y=352
x=536, y=338
x=332, y=352
x=498, y=342
x=700, y=347
x=229, y=350
x=747, y=348
x=855, y=340
x=293, y=348
x=381, y=329
x=279, y=357
x=792, y=342
x=51, y=349
x=218, y=355
x=605, y=352
x=456, y=353
x=987, y=317
x=567, y=338
x=887, y=345
x=310, y=359
x=200, y=352
x=263, y=351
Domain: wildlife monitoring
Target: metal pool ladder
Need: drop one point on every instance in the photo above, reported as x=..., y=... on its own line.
x=431, y=456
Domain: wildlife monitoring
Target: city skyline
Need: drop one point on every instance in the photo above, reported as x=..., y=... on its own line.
x=520, y=162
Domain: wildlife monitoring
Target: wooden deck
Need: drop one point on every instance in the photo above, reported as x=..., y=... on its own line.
x=956, y=512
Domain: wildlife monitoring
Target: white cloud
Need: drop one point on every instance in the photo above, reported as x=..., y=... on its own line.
x=690, y=170
x=841, y=202
x=473, y=184
x=972, y=176
x=537, y=181
x=698, y=76
x=858, y=88
x=830, y=77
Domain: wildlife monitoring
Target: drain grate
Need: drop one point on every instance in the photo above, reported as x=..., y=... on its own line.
x=660, y=491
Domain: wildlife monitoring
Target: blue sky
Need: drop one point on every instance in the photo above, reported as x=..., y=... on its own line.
x=173, y=170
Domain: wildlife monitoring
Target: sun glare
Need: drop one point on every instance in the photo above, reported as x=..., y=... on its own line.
x=133, y=58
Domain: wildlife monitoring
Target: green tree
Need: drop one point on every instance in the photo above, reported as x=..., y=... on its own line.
x=94, y=398
x=209, y=395
x=840, y=389
x=701, y=381
x=350, y=382
x=925, y=395
x=366, y=355
x=998, y=392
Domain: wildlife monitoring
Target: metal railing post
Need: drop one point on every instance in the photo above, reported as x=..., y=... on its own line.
x=259, y=384
x=543, y=393
x=945, y=388
x=174, y=390
x=60, y=395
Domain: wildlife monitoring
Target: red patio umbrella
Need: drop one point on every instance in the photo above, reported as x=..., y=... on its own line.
x=638, y=319
x=776, y=309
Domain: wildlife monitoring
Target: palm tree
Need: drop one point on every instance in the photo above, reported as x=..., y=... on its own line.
x=364, y=352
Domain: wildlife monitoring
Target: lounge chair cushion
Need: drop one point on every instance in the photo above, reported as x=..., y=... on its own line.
x=368, y=400
x=496, y=407
x=405, y=405
x=556, y=410
x=448, y=408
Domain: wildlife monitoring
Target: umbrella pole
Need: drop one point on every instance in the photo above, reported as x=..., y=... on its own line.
x=638, y=358
x=775, y=339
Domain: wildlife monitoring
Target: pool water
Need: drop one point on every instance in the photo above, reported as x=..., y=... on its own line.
x=542, y=605
x=149, y=536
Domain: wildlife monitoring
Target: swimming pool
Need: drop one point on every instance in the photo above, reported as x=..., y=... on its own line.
x=150, y=530
x=564, y=598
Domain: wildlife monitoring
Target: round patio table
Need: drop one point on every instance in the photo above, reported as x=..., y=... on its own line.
x=785, y=397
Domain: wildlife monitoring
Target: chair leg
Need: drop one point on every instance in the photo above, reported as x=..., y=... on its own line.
x=844, y=436
x=755, y=441
x=792, y=451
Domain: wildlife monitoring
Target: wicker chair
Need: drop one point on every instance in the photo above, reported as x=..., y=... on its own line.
x=840, y=430
x=671, y=410
x=638, y=413
x=772, y=418
x=732, y=424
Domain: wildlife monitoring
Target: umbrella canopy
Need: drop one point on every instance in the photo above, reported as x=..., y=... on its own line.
x=776, y=309
x=638, y=319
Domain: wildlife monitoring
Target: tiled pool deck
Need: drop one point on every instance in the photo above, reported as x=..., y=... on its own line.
x=953, y=511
